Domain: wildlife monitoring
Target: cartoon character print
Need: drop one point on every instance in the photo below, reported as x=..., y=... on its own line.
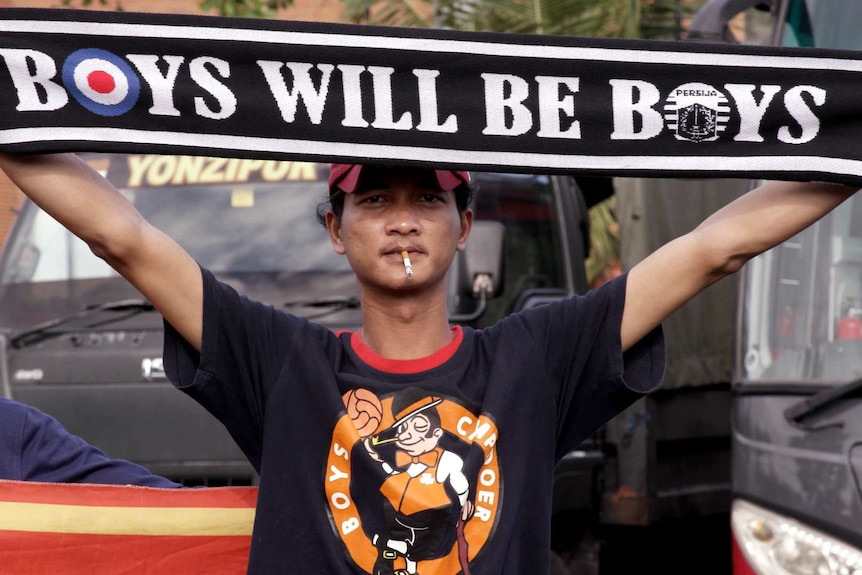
x=417, y=503
x=400, y=493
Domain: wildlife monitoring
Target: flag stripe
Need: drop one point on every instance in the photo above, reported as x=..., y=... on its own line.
x=76, y=529
x=29, y=553
x=126, y=495
x=96, y=519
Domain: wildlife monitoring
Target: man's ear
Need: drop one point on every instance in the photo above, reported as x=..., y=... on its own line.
x=334, y=228
x=466, y=226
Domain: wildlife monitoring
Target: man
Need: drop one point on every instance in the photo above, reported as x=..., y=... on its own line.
x=36, y=447
x=519, y=394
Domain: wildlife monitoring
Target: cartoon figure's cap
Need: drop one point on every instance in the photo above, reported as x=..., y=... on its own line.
x=416, y=408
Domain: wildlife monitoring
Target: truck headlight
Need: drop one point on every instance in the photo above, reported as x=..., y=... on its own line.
x=776, y=545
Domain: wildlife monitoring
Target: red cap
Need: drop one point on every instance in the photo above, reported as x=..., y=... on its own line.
x=346, y=177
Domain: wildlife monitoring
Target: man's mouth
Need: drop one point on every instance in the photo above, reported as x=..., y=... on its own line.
x=399, y=250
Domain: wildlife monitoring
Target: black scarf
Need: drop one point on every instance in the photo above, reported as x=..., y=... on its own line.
x=99, y=81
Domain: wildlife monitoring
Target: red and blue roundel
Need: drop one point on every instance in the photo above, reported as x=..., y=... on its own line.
x=101, y=82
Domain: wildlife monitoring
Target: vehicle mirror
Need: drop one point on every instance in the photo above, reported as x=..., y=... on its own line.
x=26, y=262
x=483, y=265
x=711, y=22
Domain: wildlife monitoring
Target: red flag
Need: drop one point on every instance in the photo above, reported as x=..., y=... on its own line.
x=79, y=529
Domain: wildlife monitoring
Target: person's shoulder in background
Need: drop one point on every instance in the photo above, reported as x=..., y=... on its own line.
x=36, y=447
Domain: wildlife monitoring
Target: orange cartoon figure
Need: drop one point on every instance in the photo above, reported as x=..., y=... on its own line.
x=417, y=501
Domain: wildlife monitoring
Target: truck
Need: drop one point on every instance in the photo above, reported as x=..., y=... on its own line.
x=796, y=413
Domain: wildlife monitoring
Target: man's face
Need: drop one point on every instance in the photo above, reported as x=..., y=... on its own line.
x=416, y=436
x=395, y=211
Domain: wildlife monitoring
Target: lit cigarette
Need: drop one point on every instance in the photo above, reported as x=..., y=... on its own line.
x=408, y=267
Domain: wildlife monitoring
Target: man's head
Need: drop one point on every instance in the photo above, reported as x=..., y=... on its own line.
x=381, y=217
x=350, y=178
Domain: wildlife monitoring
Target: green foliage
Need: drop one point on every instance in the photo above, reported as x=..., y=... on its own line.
x=612, y=18
x=604, y=260
x=118, y=6
x=245, y=8
x=410, y=13
x=240, y=8
x=650, y=19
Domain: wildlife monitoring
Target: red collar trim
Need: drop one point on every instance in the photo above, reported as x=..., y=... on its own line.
x=405, y=366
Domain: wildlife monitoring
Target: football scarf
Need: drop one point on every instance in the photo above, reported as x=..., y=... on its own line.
x=121, y=82
x=79, y=529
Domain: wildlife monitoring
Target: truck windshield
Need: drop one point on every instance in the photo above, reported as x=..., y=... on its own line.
x=251, y=219
x=802, y=313
x=802, y=318
x=253, y=223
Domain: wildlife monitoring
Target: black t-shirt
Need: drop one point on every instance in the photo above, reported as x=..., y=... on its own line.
x=368, y=463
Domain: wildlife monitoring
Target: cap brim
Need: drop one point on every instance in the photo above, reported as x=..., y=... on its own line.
x=346, y=177
x=449, y=179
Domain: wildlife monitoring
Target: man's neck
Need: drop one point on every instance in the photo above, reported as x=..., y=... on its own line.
x=405, y=328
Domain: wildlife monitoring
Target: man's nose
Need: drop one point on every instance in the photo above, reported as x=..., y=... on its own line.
x=403, y=219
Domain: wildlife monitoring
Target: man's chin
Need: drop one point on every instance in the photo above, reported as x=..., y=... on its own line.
x=401, y=286
x=408, y=287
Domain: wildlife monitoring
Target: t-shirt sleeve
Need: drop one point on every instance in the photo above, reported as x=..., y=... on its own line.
x=578, y=342
x=46, y=452
x=244, y=348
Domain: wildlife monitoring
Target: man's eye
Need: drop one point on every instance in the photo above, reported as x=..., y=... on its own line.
x=372, y=199
x=430, y=198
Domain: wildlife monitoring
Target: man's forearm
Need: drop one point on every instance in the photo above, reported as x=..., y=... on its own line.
x=767, y=216
x=73, y=193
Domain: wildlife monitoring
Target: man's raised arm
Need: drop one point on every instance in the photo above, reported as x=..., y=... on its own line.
x=92, y=209
x=752, y=224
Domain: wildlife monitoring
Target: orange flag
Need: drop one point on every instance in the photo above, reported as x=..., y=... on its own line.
x=77, y=529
